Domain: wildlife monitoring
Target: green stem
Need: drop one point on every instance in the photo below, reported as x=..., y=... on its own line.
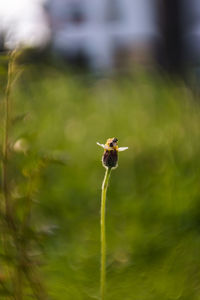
x=9, y=215
x=103, y=232
x=5, y=139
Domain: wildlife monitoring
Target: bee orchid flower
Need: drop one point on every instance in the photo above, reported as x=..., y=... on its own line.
x=109, y=160
x=111, y=149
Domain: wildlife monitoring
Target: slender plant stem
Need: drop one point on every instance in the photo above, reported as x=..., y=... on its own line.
x=5, y=180
x=103, y=232
x=5, y=138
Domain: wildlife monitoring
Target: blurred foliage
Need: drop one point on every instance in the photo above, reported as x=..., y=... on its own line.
x=153, y=208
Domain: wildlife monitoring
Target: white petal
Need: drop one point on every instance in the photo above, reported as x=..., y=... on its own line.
x=101, y=145
x=122, y=149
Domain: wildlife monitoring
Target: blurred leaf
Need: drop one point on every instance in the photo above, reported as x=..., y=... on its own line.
x=60, y=158
x=19, y=118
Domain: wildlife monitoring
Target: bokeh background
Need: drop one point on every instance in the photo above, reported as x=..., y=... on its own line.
x=87, y=71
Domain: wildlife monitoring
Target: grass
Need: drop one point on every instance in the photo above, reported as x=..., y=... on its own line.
x=153, y=228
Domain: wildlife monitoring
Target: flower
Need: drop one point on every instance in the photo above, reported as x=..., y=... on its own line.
x=111, y=149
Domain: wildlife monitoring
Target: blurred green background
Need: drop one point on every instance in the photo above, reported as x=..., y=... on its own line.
x=153, y=207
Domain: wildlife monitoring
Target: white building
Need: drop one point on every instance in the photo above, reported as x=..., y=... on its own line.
x=99, y=29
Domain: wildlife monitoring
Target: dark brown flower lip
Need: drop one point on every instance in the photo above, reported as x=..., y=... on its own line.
x=110, y=158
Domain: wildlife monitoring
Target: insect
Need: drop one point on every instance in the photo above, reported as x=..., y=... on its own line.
x=111, y=149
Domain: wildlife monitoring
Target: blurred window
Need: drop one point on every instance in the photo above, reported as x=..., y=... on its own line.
x=77, y=14
x=113, y=12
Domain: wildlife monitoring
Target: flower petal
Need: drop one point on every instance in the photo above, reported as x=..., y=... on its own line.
x=122, y=149
x=101, y=145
